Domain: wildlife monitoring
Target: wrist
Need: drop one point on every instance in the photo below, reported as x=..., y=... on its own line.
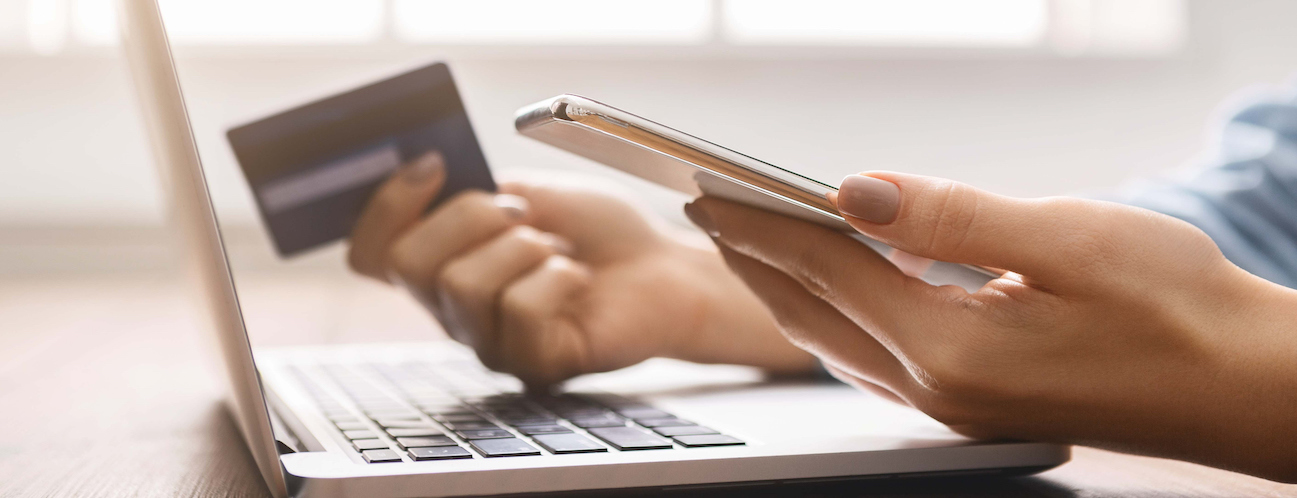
x=1255, y=407
x=728, y=323
x=1233, y=403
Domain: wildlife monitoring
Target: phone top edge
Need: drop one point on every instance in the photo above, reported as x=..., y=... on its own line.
x=561, y=106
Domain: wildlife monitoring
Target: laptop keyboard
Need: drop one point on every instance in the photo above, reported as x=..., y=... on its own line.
x=446, y=411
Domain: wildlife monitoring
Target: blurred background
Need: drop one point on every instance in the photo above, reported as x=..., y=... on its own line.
x=1024, y=97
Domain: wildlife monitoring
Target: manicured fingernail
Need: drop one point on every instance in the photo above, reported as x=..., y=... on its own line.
x=514, y=207
x=702, y=219
x=869, y=199
x=425, y=168
x=560, y=244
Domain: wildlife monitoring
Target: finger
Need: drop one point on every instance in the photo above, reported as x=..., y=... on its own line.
x=395, y=206
x=473, y=282
x=848, y=275
x=949, y=221
x=612, y=232
x=538, y=341
x=466, y=220
x=815, y=326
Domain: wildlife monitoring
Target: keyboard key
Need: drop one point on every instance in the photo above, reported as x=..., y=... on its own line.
x=407, y=432
x=439, y=453
x=451, y=418
x=378, y=456
x=362, y=434
x=447, y=409
x=369, y=444
x=402, y=423
x=568, y=443
x=470, y=426
x=343, y=417
x=638, y=412
x=704, y=440
x=605, y=421
x=504, y=447
x=381, y=408
x=684, y=430
x=662, y=422
x=433, y=401
x=609, y=400
x=423, y=442
x=352, y=426
x=529, y=420
x=630, y=438
x=532, y=430
x=485, y=434
x=581, y=412
x=393, y=415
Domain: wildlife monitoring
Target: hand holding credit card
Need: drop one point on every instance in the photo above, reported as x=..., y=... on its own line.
x=313, y=168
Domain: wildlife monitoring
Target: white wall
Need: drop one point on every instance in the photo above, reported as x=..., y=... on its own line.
x=72, y=153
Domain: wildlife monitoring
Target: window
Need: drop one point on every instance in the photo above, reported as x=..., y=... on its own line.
x=1063, y=27
x=496, y=22
x=886, y=22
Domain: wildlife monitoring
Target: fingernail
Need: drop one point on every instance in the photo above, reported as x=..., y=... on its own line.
x=869, y=199
x=514, y=207
x=702, y=219
x=560, y=244
x=424, y=168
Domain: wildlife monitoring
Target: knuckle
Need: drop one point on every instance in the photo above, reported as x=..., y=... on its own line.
x=459, y=281
x=529, y=243
x=949, y=210
x=517, y=305
x=815, y=267
x=473, y=207
x=409, y=265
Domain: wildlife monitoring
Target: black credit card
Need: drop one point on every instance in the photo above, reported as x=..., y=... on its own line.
x=312, y=169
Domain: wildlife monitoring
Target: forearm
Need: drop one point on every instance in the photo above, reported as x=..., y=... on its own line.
x=1230, y=402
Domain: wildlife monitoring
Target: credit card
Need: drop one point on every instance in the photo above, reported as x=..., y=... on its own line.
x=312, y=169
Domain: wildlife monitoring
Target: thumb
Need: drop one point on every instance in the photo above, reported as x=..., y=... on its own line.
x=949, y=221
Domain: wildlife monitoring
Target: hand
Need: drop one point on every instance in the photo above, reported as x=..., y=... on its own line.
x=547, y=283
x=1113, y=325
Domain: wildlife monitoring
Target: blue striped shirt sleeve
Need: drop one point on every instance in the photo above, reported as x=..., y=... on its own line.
x=1245, y=196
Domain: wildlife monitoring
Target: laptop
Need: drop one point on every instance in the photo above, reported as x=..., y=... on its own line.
x=426, y=419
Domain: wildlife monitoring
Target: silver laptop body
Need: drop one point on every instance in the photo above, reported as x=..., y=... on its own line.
x=298, y=409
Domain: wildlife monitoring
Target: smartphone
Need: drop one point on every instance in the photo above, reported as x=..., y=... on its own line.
x=696, y=167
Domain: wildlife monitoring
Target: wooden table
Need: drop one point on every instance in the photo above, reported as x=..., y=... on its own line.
x=104, y=393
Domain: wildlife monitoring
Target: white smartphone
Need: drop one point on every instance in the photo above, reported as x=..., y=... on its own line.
x=696, y=167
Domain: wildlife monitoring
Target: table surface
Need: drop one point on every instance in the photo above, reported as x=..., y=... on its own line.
x=106, y=394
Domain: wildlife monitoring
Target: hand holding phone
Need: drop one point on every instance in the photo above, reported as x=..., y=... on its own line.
x=694, y=166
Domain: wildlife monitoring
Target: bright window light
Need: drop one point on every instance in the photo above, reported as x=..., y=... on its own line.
x=886, y=22
x=553, y=21
x=47, y=25
x=13, y=24
x=95, y=22
x=273, y=22
x=1139, y=28
x=1146, y=26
